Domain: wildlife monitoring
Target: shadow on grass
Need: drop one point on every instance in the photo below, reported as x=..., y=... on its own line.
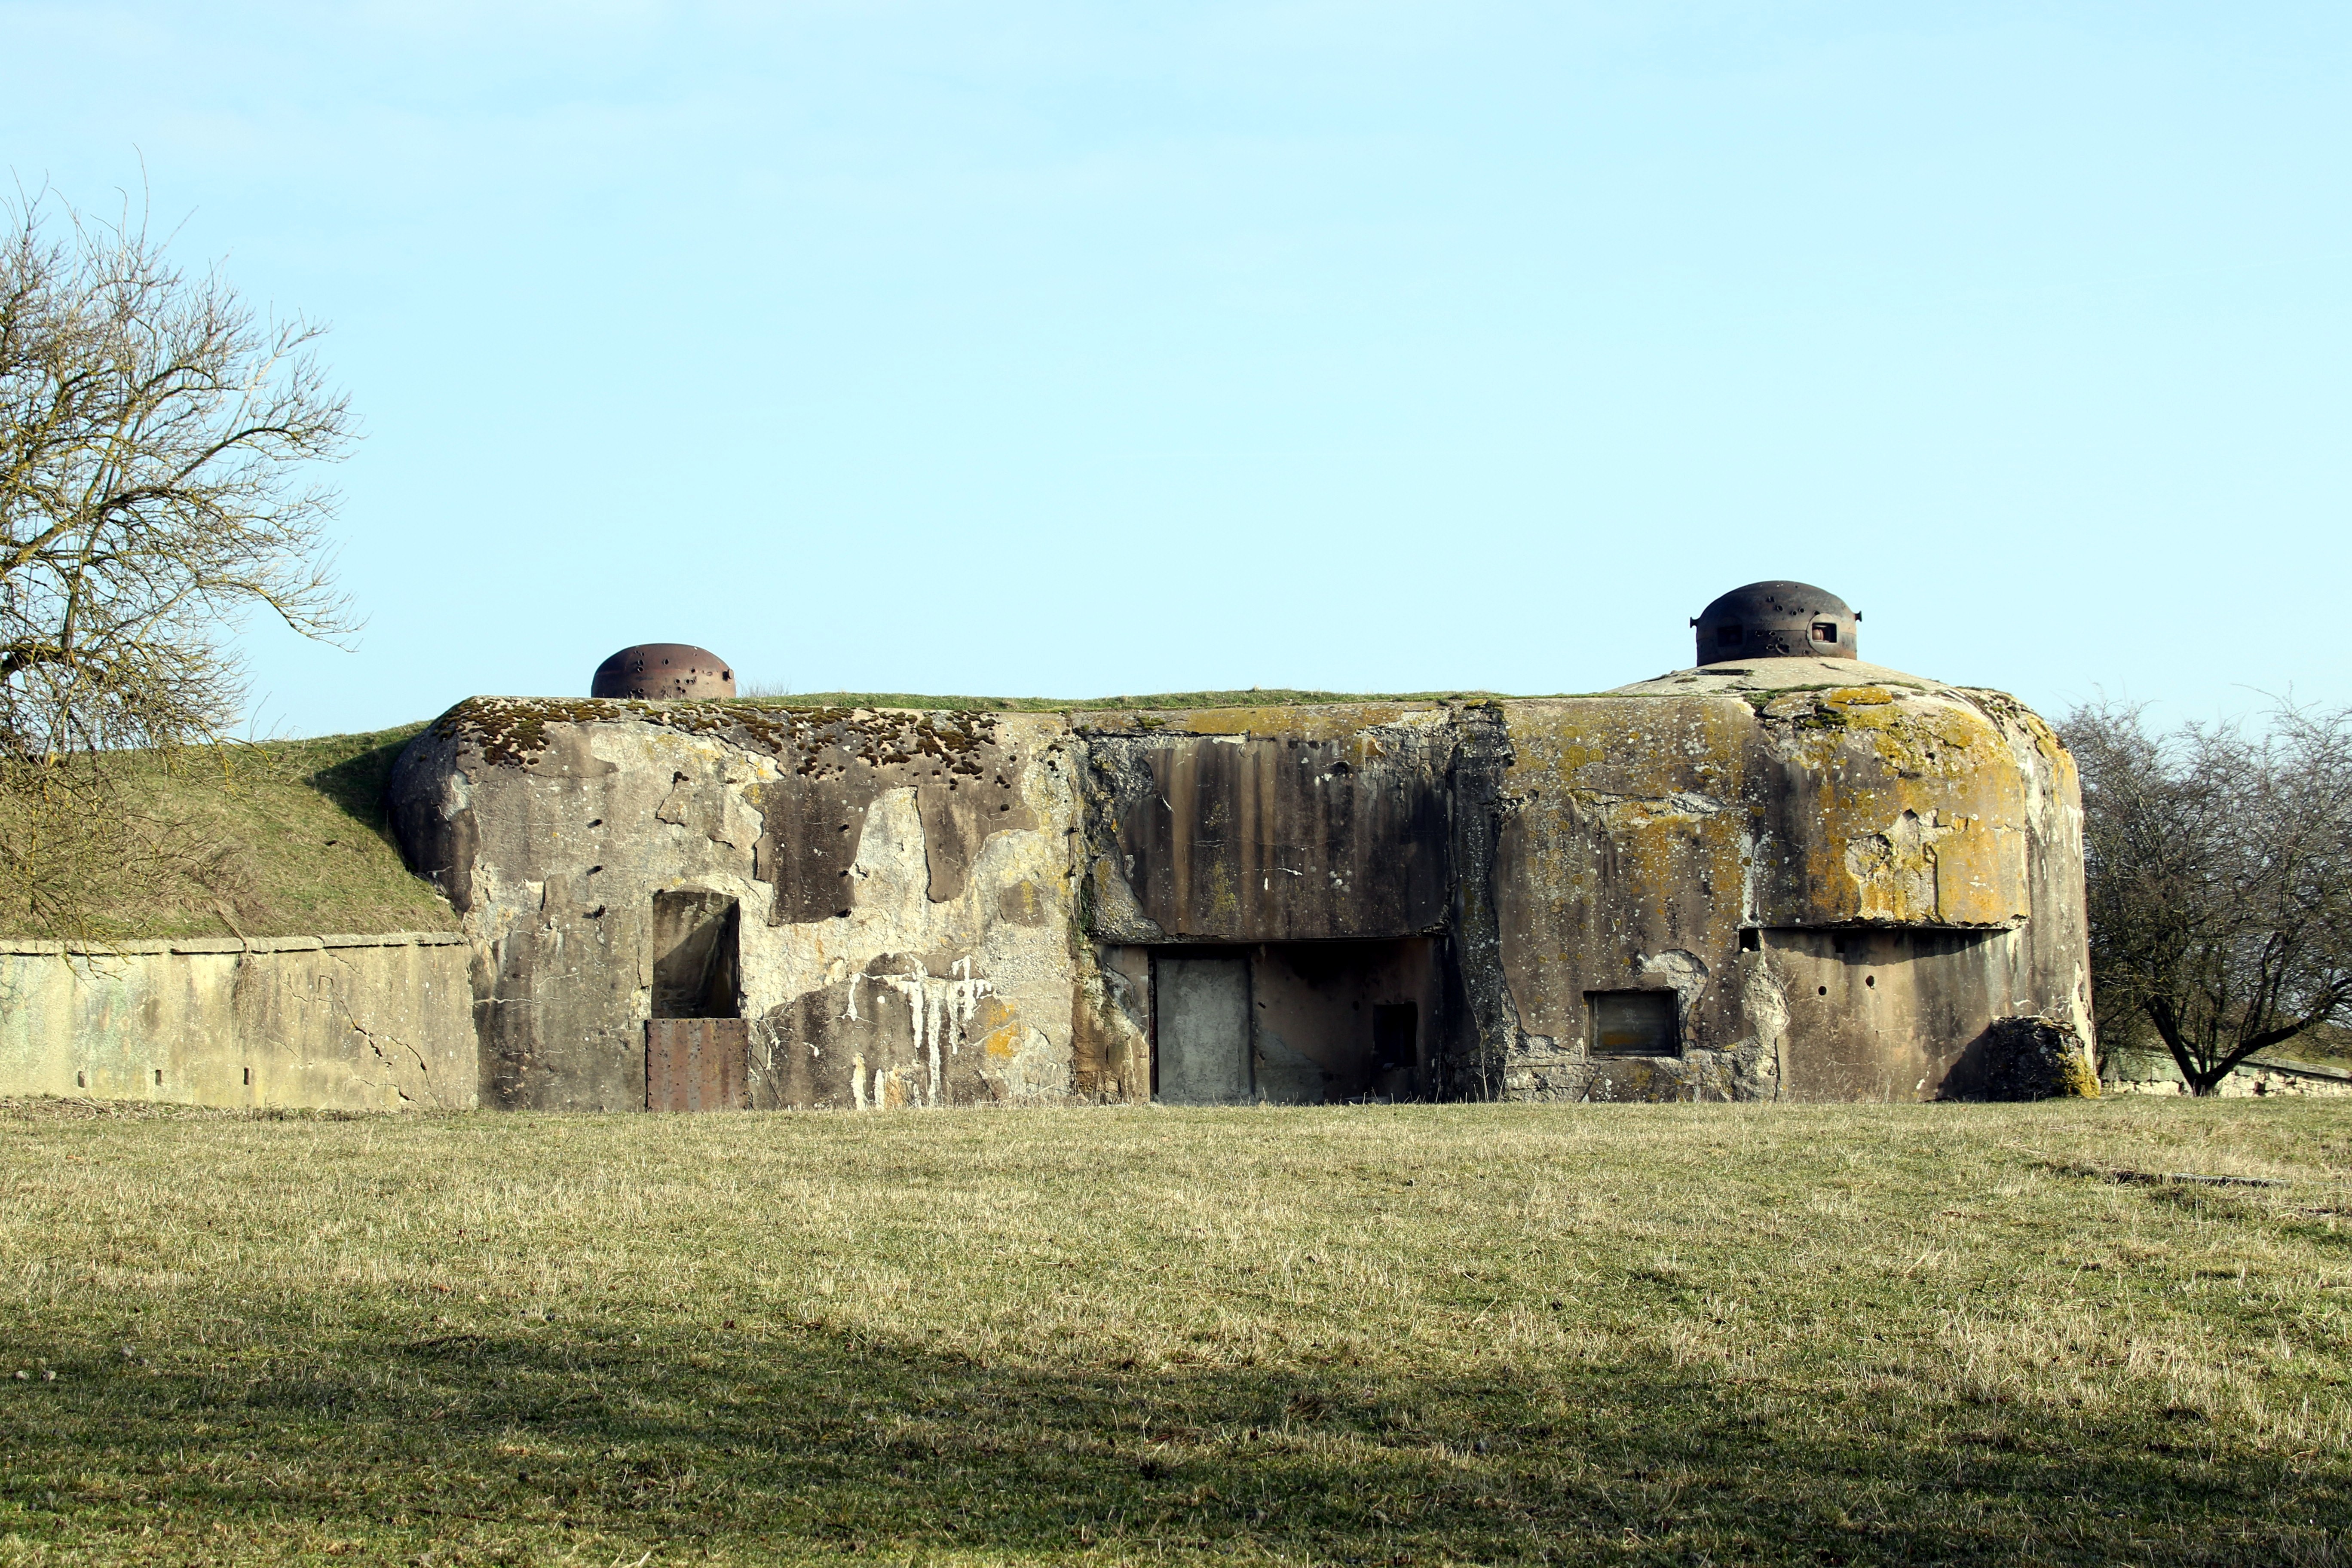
x=358, y=784
x=584, y=1437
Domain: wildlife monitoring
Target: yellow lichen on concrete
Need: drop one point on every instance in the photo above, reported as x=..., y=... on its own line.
x=2078, y=1079
x=1920, y=811
x=1625, y=838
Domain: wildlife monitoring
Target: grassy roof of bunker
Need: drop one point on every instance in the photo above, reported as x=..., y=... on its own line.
x=292, y=840
x=512, y=730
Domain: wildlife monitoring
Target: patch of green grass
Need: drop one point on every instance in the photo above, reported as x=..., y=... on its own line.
x=290, y=838
x=1412, y=1334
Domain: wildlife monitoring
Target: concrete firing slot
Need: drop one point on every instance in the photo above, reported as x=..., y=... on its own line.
x=1633, y=1024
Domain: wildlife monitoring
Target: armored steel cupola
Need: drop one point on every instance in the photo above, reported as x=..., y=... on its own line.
x=1776, y=620
x=664, y=669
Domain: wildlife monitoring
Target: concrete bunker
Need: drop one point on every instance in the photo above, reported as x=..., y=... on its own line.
x=1779, y=873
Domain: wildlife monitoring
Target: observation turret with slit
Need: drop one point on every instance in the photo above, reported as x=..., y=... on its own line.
x=1776, y=620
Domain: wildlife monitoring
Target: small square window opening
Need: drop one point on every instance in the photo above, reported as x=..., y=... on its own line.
x=1633, y=1024
x=1825, y=631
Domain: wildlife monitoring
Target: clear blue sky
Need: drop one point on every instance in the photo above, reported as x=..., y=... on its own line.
x=1081, y=349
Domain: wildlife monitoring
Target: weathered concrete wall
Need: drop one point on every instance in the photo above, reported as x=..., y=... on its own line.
x=338, y=1023
x=1839, y=876
x=1842, y=873
x=1273, y=825
x=906, y=927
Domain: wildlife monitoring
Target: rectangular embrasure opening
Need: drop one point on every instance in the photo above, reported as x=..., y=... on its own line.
x=1633, y=1024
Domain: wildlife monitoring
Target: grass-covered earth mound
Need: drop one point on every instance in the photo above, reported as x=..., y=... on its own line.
x=277, y=838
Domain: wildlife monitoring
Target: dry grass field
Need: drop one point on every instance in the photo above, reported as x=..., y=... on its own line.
x=1615, y=1334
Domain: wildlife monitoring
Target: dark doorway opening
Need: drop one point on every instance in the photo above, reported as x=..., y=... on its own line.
x=1396, y=1038
x=1305, y=1022
x=698, y=1045
x=697, y=959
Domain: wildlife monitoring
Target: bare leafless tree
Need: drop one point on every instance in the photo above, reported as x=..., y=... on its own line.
x=156, y=444
x=2220, y=879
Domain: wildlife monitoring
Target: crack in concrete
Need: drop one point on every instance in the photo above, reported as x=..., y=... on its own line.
x=343, y=1007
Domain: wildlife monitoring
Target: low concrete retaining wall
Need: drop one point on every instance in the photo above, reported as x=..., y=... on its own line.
x=2149, y=1074
x=332, y=1022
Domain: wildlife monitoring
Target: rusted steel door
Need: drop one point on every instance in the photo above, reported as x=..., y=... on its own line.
x=1204, y=1030
x=696, y=1064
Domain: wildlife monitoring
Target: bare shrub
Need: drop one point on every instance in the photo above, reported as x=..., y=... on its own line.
x=2220, y=879
x=155, y=438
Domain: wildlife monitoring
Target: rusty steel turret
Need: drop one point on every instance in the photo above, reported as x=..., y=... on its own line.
x=664, y=669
